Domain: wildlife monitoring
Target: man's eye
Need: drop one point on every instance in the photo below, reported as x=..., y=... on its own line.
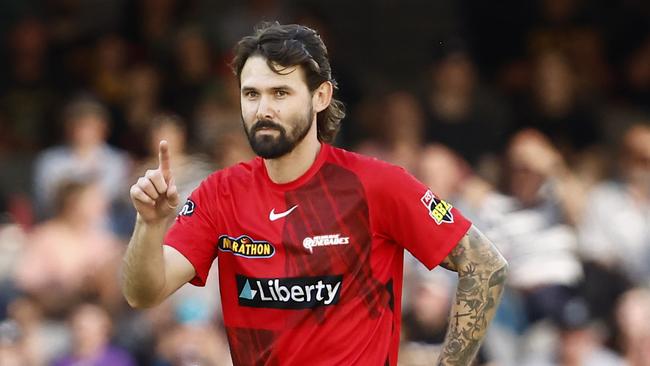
x=250, y=94
x=280, y=93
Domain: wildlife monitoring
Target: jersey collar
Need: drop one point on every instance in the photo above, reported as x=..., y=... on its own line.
x=315, y=167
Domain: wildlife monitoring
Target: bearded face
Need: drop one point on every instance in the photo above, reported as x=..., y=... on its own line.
x=277, y=109
x=271, y=140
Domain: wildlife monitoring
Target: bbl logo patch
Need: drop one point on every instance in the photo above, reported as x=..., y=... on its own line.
x=439, y=210
x=244, y=246
x=188, y=208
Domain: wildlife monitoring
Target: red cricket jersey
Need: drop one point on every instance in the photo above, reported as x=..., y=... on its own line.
x=311, y=271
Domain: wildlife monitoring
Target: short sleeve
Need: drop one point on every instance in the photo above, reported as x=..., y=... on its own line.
x=415, y=218
x=194, y=232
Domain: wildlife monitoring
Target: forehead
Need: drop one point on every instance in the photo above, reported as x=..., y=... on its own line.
x=256, y=73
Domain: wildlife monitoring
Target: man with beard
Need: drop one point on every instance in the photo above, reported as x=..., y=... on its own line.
x=310, y=238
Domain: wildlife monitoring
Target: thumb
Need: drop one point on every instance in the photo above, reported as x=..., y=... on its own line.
x=173, y=199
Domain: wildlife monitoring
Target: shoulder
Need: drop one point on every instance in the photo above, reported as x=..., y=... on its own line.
x=381, y=180
x=238, y=175
x=366, y=167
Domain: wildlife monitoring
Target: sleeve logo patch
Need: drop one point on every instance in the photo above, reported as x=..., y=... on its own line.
x=188, y=208
x=439, y=210
x=246, y=247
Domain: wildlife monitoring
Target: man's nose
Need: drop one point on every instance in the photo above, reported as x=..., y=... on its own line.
x=265, y=108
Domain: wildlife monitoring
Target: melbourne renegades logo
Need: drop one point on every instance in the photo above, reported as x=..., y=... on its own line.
x=188, y=208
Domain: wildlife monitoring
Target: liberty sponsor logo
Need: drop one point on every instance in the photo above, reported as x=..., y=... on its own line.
x=324, y=240
x=245, y=246
x=439, y=210
x=188, y=208
x=276, y=216
x=290, y=292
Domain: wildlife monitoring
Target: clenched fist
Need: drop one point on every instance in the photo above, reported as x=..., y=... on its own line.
x=155, y=196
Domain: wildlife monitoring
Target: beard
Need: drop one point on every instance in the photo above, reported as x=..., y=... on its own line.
x=274, y=146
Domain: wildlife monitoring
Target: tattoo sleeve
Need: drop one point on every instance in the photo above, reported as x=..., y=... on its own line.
x=481, y=277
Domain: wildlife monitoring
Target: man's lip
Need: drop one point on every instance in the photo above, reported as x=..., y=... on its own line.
x=267, y=128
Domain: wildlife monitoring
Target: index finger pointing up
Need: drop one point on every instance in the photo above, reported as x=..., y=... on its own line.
x=163, y=160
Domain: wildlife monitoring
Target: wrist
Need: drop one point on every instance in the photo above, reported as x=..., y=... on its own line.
x=151, y=223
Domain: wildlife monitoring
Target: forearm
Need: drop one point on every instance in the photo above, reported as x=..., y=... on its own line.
x=482, y=274
x=477, y=297
x=143, y=270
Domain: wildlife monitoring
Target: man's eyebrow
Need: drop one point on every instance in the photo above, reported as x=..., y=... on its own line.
x=277, y=87
x=282, y=87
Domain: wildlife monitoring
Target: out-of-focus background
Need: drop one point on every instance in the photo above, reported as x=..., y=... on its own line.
x=532, y=117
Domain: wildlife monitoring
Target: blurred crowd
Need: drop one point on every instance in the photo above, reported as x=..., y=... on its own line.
x=532, y=118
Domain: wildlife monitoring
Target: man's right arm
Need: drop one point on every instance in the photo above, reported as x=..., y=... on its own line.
x=152, y=271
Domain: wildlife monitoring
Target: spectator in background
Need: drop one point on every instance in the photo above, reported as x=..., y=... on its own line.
x=27, y=98
x=218, y=125
x=579, y=340
x=637, y=75
x=193, y=344
x=404, y=122
x=531, y=224
x=395, y=124
x=42, y=339
x=615, y=231
x=108, y=73
x=91, y=330
x=192, y=74
x=85, y=155
x=461, y=114
x=71, y=256
x=139, y=107
x=557, y=108
x=632, y=314
x=429, y=302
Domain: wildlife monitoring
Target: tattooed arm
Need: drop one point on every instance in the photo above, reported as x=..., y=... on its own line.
x=481, y=276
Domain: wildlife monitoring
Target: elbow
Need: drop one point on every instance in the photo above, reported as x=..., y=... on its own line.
x=503, y=265
x=139, y=302
x=499, y=273
x=139, y=297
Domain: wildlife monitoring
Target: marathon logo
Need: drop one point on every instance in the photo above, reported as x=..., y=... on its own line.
x=439, y=210
x=324, y=240
x=289, y=293
x=244, y=246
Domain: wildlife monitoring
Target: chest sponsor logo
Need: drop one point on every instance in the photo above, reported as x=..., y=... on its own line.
x=324, y=240
x=245, y=246
x=439, y=210
x=289, y=292
x=188, y=208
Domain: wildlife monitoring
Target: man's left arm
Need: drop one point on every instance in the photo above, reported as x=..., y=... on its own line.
x=481, y=278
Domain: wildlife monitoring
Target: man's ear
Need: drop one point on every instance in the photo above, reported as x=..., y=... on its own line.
x=322, y=96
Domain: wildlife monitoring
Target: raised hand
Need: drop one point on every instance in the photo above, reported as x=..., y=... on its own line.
x=155, y=195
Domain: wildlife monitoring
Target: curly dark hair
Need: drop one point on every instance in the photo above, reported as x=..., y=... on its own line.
x=285, y=45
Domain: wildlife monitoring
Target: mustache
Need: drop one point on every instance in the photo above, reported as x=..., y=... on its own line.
x=266, y=123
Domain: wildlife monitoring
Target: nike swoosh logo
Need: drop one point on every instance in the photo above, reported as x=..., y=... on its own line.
x=275, y=216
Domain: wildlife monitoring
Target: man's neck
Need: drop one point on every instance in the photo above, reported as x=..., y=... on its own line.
x=294, y=164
